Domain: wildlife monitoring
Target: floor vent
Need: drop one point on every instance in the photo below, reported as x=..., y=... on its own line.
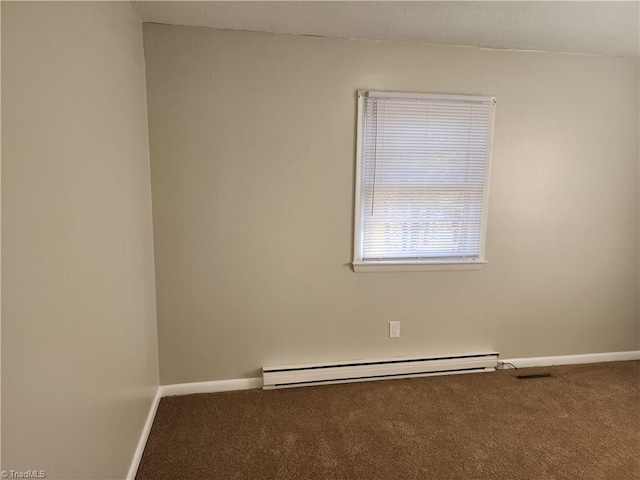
x=367, y=370
x=533, y=375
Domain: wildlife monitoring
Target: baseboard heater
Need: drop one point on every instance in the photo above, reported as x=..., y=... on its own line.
x=287, y=376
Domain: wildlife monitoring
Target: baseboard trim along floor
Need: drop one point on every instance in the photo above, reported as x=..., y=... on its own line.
x=256, y=382
x=211, y=387
x=251, y=383
x=137, y=456
x=572, y=359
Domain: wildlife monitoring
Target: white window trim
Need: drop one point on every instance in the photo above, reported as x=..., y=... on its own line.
x=417, y=265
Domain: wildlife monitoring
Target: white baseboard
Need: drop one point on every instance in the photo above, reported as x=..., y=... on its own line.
x=251, y=383
x=572, y=359
x=211, y=387
x=137, y=456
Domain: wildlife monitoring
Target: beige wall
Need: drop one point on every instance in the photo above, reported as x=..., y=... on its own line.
x=79, y=341
x=252, y=161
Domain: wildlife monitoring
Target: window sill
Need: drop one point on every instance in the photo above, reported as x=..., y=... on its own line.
x=436, y=266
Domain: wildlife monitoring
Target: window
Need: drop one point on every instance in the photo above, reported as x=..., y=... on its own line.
x=422, y=181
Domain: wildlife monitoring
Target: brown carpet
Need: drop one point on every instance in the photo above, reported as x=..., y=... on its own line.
x=582, y=423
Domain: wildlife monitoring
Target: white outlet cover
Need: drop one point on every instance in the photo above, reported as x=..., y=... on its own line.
x=394, y=329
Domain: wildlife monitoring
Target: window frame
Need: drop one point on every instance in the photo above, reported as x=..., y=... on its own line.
x=427, y=264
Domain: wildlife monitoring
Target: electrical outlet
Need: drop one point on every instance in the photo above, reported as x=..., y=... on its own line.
x=394, y=329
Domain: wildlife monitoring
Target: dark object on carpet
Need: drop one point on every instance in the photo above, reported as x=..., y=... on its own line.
x=534, y=375
x=583, y=424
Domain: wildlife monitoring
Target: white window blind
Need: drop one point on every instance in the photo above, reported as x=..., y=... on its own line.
x=423, y=177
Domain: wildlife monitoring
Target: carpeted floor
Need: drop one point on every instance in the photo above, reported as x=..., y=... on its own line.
x=582, y=423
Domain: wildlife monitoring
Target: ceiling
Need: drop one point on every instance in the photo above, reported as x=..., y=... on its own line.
x=606, y=28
